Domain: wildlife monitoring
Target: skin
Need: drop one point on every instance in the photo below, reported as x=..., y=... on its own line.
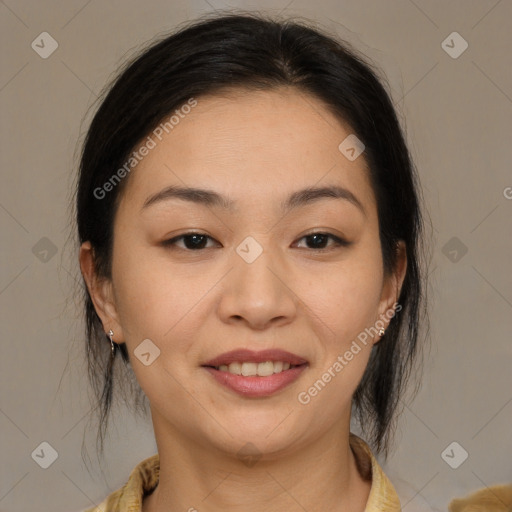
x=256, y=148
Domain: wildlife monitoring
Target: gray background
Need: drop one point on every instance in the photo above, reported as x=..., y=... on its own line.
x=457, y=114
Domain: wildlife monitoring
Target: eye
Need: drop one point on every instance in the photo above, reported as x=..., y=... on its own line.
x=319, y=239
x=192, y=241
x=197, y=241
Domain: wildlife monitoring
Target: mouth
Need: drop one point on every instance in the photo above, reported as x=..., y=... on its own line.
x=256, y=374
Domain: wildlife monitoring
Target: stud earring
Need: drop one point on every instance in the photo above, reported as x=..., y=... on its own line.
x=382, y=332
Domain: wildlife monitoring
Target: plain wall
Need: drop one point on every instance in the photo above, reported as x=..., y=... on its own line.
x=457, y=114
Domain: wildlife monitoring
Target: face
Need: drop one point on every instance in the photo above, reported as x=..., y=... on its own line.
x=297, y=275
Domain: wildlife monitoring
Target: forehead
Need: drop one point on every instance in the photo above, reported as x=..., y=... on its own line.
x=250, y=145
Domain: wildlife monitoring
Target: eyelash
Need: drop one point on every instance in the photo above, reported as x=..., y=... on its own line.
x=338, y=242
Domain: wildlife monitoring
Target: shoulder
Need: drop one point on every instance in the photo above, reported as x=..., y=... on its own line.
x=142, y=481
x=383, y=496
x=109, y=504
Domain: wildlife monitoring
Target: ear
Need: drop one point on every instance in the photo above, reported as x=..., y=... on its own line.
x=392, y=286
x=101, y=292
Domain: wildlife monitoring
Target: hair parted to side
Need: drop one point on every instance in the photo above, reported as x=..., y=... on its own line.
x=254, y=52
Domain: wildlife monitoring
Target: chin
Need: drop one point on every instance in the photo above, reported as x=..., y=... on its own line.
x=261, y=437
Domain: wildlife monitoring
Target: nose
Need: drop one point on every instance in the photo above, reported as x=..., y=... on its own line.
x=258, y=293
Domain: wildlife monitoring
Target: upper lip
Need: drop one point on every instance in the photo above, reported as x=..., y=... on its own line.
x=249, y=356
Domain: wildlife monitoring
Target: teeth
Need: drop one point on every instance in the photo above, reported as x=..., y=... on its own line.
x=278, y=366
x=249, y=369
x=265, y=369
x=255, y=369
x=235, y=368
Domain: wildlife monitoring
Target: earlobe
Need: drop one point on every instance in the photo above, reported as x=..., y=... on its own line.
x=392, y=287
x=100, y=291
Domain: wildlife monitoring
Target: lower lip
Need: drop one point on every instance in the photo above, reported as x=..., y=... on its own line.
x=257, y=387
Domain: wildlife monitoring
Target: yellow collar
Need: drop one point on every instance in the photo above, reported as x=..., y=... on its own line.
x=144, y=478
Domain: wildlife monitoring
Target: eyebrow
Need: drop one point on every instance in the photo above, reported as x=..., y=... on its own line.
x=211, y=198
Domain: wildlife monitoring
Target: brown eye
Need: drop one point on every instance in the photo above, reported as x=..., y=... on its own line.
x=191, y=241
x=318, y=241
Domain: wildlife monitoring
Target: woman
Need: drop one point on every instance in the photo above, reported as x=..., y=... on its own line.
x=250, y=227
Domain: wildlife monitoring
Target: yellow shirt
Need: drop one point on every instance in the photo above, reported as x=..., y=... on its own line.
x=144, y=478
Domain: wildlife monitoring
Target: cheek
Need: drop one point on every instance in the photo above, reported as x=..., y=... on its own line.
x=149, y=300
x=156, y=303
x=345, y=297
x=160, y=301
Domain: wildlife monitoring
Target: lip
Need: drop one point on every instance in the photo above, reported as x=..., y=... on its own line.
x=256, y=387
x=250, y=356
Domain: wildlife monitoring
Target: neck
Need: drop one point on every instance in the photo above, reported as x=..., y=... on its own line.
x=318, y=476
